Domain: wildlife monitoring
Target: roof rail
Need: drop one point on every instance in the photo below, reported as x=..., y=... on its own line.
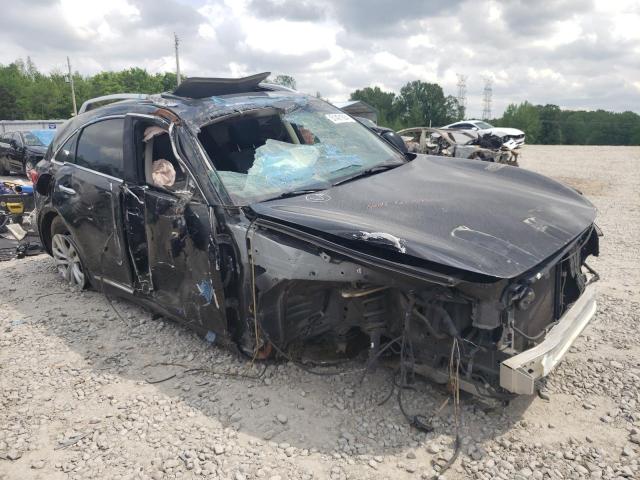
x=90, y=104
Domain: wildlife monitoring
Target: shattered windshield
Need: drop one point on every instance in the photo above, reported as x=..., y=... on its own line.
x=483, y=125
x=273, y=152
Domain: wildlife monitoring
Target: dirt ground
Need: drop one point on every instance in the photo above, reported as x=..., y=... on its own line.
x=85, y=389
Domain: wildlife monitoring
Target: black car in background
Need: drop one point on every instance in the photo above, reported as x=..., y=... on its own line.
x=271, y=221
x=21, y=151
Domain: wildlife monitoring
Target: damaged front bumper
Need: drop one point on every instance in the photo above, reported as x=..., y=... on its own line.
x=519, y=373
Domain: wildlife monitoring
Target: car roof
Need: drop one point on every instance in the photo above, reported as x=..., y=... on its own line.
x=196, y=101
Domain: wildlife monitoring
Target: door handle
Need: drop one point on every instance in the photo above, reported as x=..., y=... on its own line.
x=67, y=190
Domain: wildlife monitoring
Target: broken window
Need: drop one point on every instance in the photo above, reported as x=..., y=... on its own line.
x=270, y=152
x=161, y=167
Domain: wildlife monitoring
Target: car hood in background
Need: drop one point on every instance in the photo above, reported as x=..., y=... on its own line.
x=479, y=217
x=36, y=150
x=504, y=131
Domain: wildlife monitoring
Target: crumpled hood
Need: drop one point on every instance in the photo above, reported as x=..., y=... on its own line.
x=480, y=217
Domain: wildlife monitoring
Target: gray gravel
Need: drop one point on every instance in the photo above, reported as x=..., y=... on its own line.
x=76, y=402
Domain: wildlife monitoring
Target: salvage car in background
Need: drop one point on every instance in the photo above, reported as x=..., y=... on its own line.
x=459, y=144
x=482, y=128
x=272, y=221
x=21, y=151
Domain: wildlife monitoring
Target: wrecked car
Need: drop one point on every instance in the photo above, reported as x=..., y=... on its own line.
x=460, y=144
x=273, y=222
x=483, y=128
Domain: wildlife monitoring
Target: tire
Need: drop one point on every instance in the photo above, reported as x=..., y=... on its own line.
x=67, y=257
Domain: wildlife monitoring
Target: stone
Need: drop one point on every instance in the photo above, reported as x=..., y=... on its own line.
x=218, y=449
x=14, y=454
x=282, y=418
x=433, y=448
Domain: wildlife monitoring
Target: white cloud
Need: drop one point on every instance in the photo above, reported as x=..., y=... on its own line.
x=566, y=52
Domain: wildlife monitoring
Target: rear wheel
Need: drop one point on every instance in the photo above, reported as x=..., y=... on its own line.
x=66, y=256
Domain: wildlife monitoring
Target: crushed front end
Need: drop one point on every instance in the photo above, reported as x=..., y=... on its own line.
x=316, y=295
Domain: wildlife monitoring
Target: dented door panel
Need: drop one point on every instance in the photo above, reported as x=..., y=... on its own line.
x=181, y=260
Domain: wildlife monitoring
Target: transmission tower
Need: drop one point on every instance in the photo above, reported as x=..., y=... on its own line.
x=486, y=98
x=462, y=94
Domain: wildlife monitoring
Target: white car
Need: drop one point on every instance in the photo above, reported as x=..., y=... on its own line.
x=483, y=127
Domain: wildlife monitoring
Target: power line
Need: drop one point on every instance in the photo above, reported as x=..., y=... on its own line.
x=177, y=42
x=487, y=95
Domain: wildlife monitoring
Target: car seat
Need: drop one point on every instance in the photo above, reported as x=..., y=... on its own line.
x=245, y=138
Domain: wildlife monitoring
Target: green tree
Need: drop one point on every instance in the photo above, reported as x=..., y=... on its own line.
x=524, y=117
x=550, y=124
x=383, y=102
x=423, y=104
x=284, y=80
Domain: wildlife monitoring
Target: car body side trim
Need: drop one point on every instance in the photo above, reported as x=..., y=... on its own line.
x=115, y=179
x=113, y=283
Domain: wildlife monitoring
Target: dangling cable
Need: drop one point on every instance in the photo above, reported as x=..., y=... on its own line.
x=454, y=386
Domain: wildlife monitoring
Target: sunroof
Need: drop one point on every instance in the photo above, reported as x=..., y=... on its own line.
x=202, y=87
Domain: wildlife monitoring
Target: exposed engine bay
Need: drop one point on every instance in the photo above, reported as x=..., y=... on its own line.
x=308, y=296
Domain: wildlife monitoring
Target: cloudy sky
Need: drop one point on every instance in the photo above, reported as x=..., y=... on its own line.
x=574, y=53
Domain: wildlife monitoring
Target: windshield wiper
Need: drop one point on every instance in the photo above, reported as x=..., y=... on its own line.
x=299, y=191
x=369, y=171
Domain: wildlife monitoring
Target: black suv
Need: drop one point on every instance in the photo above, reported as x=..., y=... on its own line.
x=273, y=221
x=20, y=152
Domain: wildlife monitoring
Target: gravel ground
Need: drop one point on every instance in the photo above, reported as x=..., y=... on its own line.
x=84, y=390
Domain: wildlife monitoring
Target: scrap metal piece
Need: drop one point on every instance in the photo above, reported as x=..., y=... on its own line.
x=519, y=373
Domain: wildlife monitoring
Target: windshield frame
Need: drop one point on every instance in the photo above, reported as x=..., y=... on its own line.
x=395, y=158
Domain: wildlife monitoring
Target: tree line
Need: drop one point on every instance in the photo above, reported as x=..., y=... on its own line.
x=26, y=93
x=423, y=104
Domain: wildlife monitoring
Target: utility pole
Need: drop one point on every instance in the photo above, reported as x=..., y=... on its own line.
x=462, y=94
x=486, y=98
x=177, y=41
x=73, y=92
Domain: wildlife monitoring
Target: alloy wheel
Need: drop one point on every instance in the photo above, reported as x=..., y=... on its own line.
x=67, y=260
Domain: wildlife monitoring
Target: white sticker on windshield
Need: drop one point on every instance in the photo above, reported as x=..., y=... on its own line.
x=339, y=117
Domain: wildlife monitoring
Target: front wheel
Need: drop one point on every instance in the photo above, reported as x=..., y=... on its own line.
x=66, y=256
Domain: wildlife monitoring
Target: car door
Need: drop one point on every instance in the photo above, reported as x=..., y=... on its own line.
x=170, y=234
x=15, y=152
x=87, y=194
x=4, y=150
